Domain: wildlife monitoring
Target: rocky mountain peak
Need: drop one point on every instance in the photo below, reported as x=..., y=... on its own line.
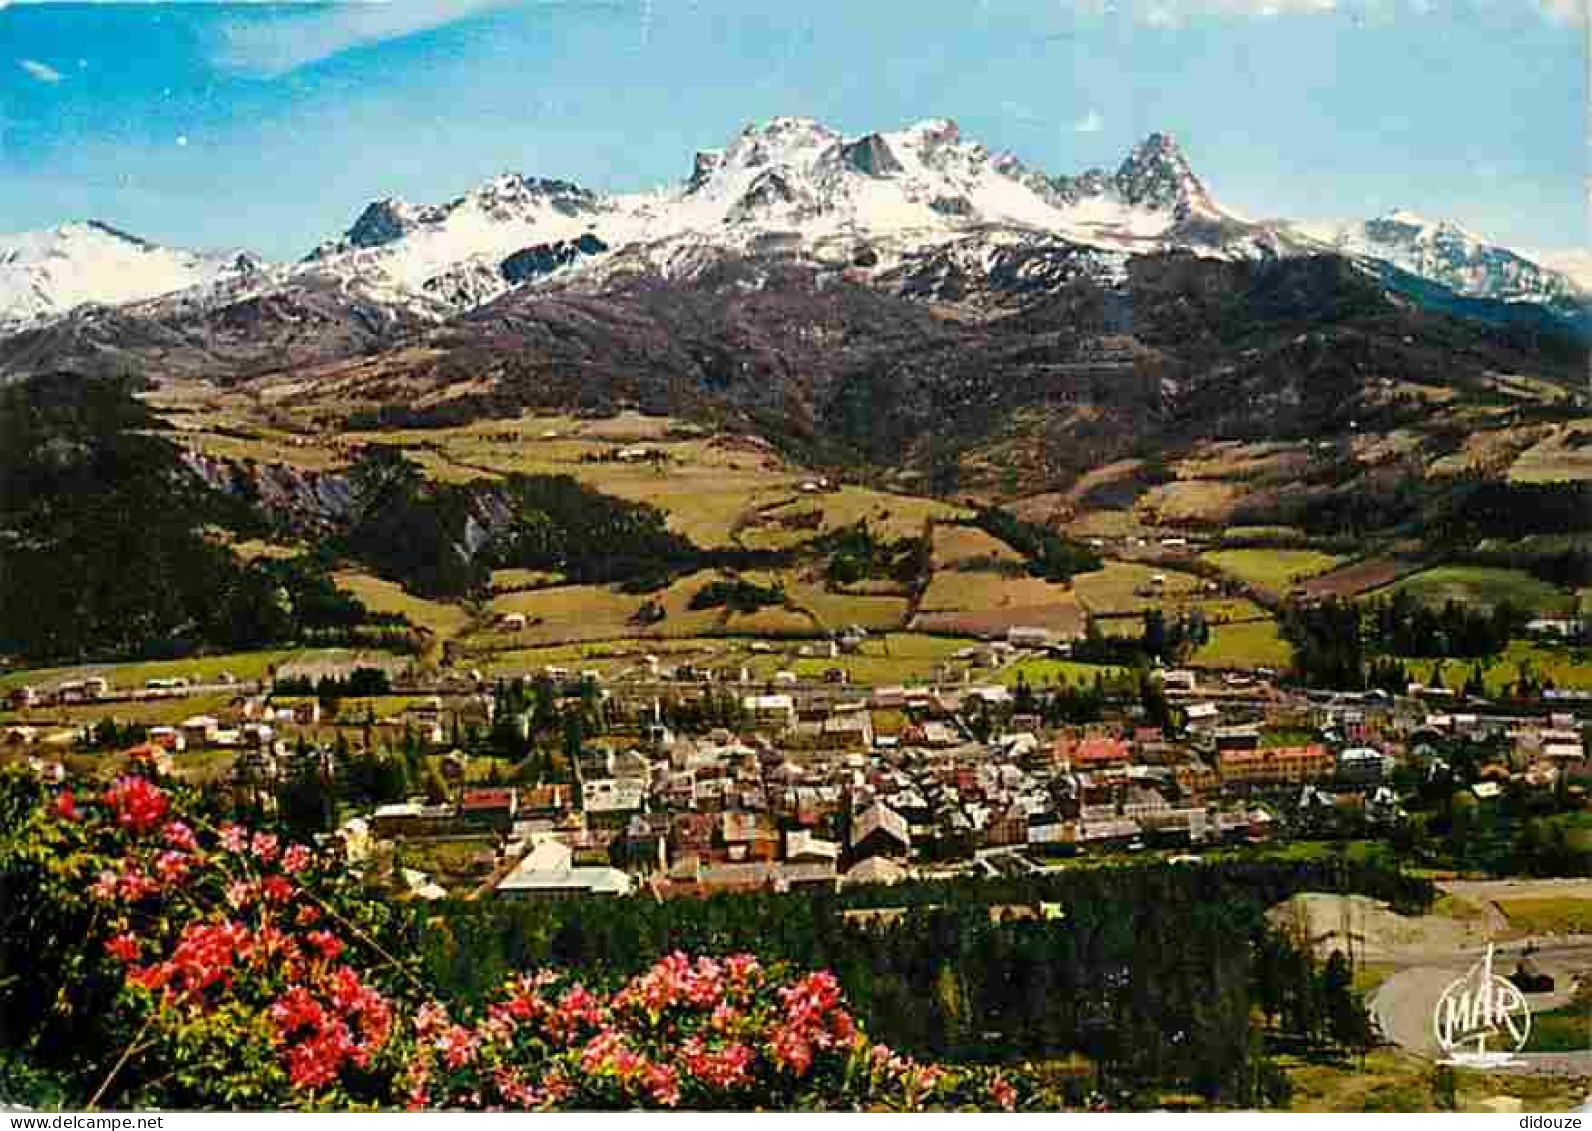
x=508, y=189
x=783, y=186
x=780, y=141
x=936, y=131
x=871, y=155
x=703, y=166
x=1447, y=253
x=1156, y=174
x=382, y=222
x=115, y=233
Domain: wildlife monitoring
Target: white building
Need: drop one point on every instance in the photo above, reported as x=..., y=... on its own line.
x=548, y=873
x=771, y=710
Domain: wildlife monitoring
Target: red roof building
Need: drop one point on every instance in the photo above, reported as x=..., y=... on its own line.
x=1095, y=752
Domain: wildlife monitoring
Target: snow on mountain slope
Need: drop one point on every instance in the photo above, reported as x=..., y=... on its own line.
x=409, y=247
x=1445, y=253
x=1574, y=264
x=46, y=274
x=790, y=184
x=921, y=209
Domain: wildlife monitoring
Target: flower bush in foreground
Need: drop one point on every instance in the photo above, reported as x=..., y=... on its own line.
x=245, y=972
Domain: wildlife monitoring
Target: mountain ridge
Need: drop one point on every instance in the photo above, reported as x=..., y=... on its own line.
x=871, y=205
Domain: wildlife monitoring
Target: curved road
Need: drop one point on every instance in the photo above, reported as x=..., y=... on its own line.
x=1405, y=1003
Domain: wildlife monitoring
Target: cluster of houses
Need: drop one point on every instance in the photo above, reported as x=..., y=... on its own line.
x=825, y=787
x=813, y=794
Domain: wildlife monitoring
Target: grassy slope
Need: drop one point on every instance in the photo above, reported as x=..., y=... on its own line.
x=1248, y=644
x=1481, y=585
x=1273, y=570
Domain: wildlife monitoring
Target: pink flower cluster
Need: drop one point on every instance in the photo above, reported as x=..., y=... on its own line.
x=234, y=927
x=694, y=1032
x=320, y=1030
x=675, y=980
x=724, y=1067
x=207, y=955
x=814, y=1020
x=138, y=804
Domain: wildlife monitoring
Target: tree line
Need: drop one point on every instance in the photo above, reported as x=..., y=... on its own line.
x=1049, y=555
x=1151, y=973
x=103, y=529
x=443, y=540
x=1345, y=645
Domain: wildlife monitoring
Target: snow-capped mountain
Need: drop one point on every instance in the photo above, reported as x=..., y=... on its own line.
x=868, y=204
x=921, y=210
x=47, y=274
x=1575, y=264
x=1446, y=253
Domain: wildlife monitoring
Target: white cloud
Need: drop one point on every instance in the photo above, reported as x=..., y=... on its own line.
x=277, y=46
x=1566, y=11
x=41, y=71
x=1174, y=13
x=1090, y=123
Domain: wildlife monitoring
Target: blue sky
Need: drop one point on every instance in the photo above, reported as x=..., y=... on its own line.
x=270, y=125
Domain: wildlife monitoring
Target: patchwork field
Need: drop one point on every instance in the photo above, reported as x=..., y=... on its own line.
x=773, y=622
x=1129, y=587
x=1274, y=571
x=1358, y=577
x=896, y=657
x=775, y=524
x=265, y=446
x=836, y=611
x=1113, y=524
x=1216, y=612
x=1247, y=644
x=245, y=666
x=577, y=612
x=1065, y=622
x=589, y=612
x=1056, y=673
x=957, y=590
x=512, y=580
x=624, y=655
x=870, y=671
x=955, y=544
x=1481, y=585
x=1230, y=459
x=1564, y=454
x=711, y=486
x=441, y=619
x=1569, y=669
x=1489, y=444
x=914, y=645
x=1548, y=915
x=1197, y=501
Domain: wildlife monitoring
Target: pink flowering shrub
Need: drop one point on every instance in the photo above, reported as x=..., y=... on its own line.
x=688, y=1033
x=246, y=972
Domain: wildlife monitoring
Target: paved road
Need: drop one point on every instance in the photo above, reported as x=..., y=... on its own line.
x=1405, y=1003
